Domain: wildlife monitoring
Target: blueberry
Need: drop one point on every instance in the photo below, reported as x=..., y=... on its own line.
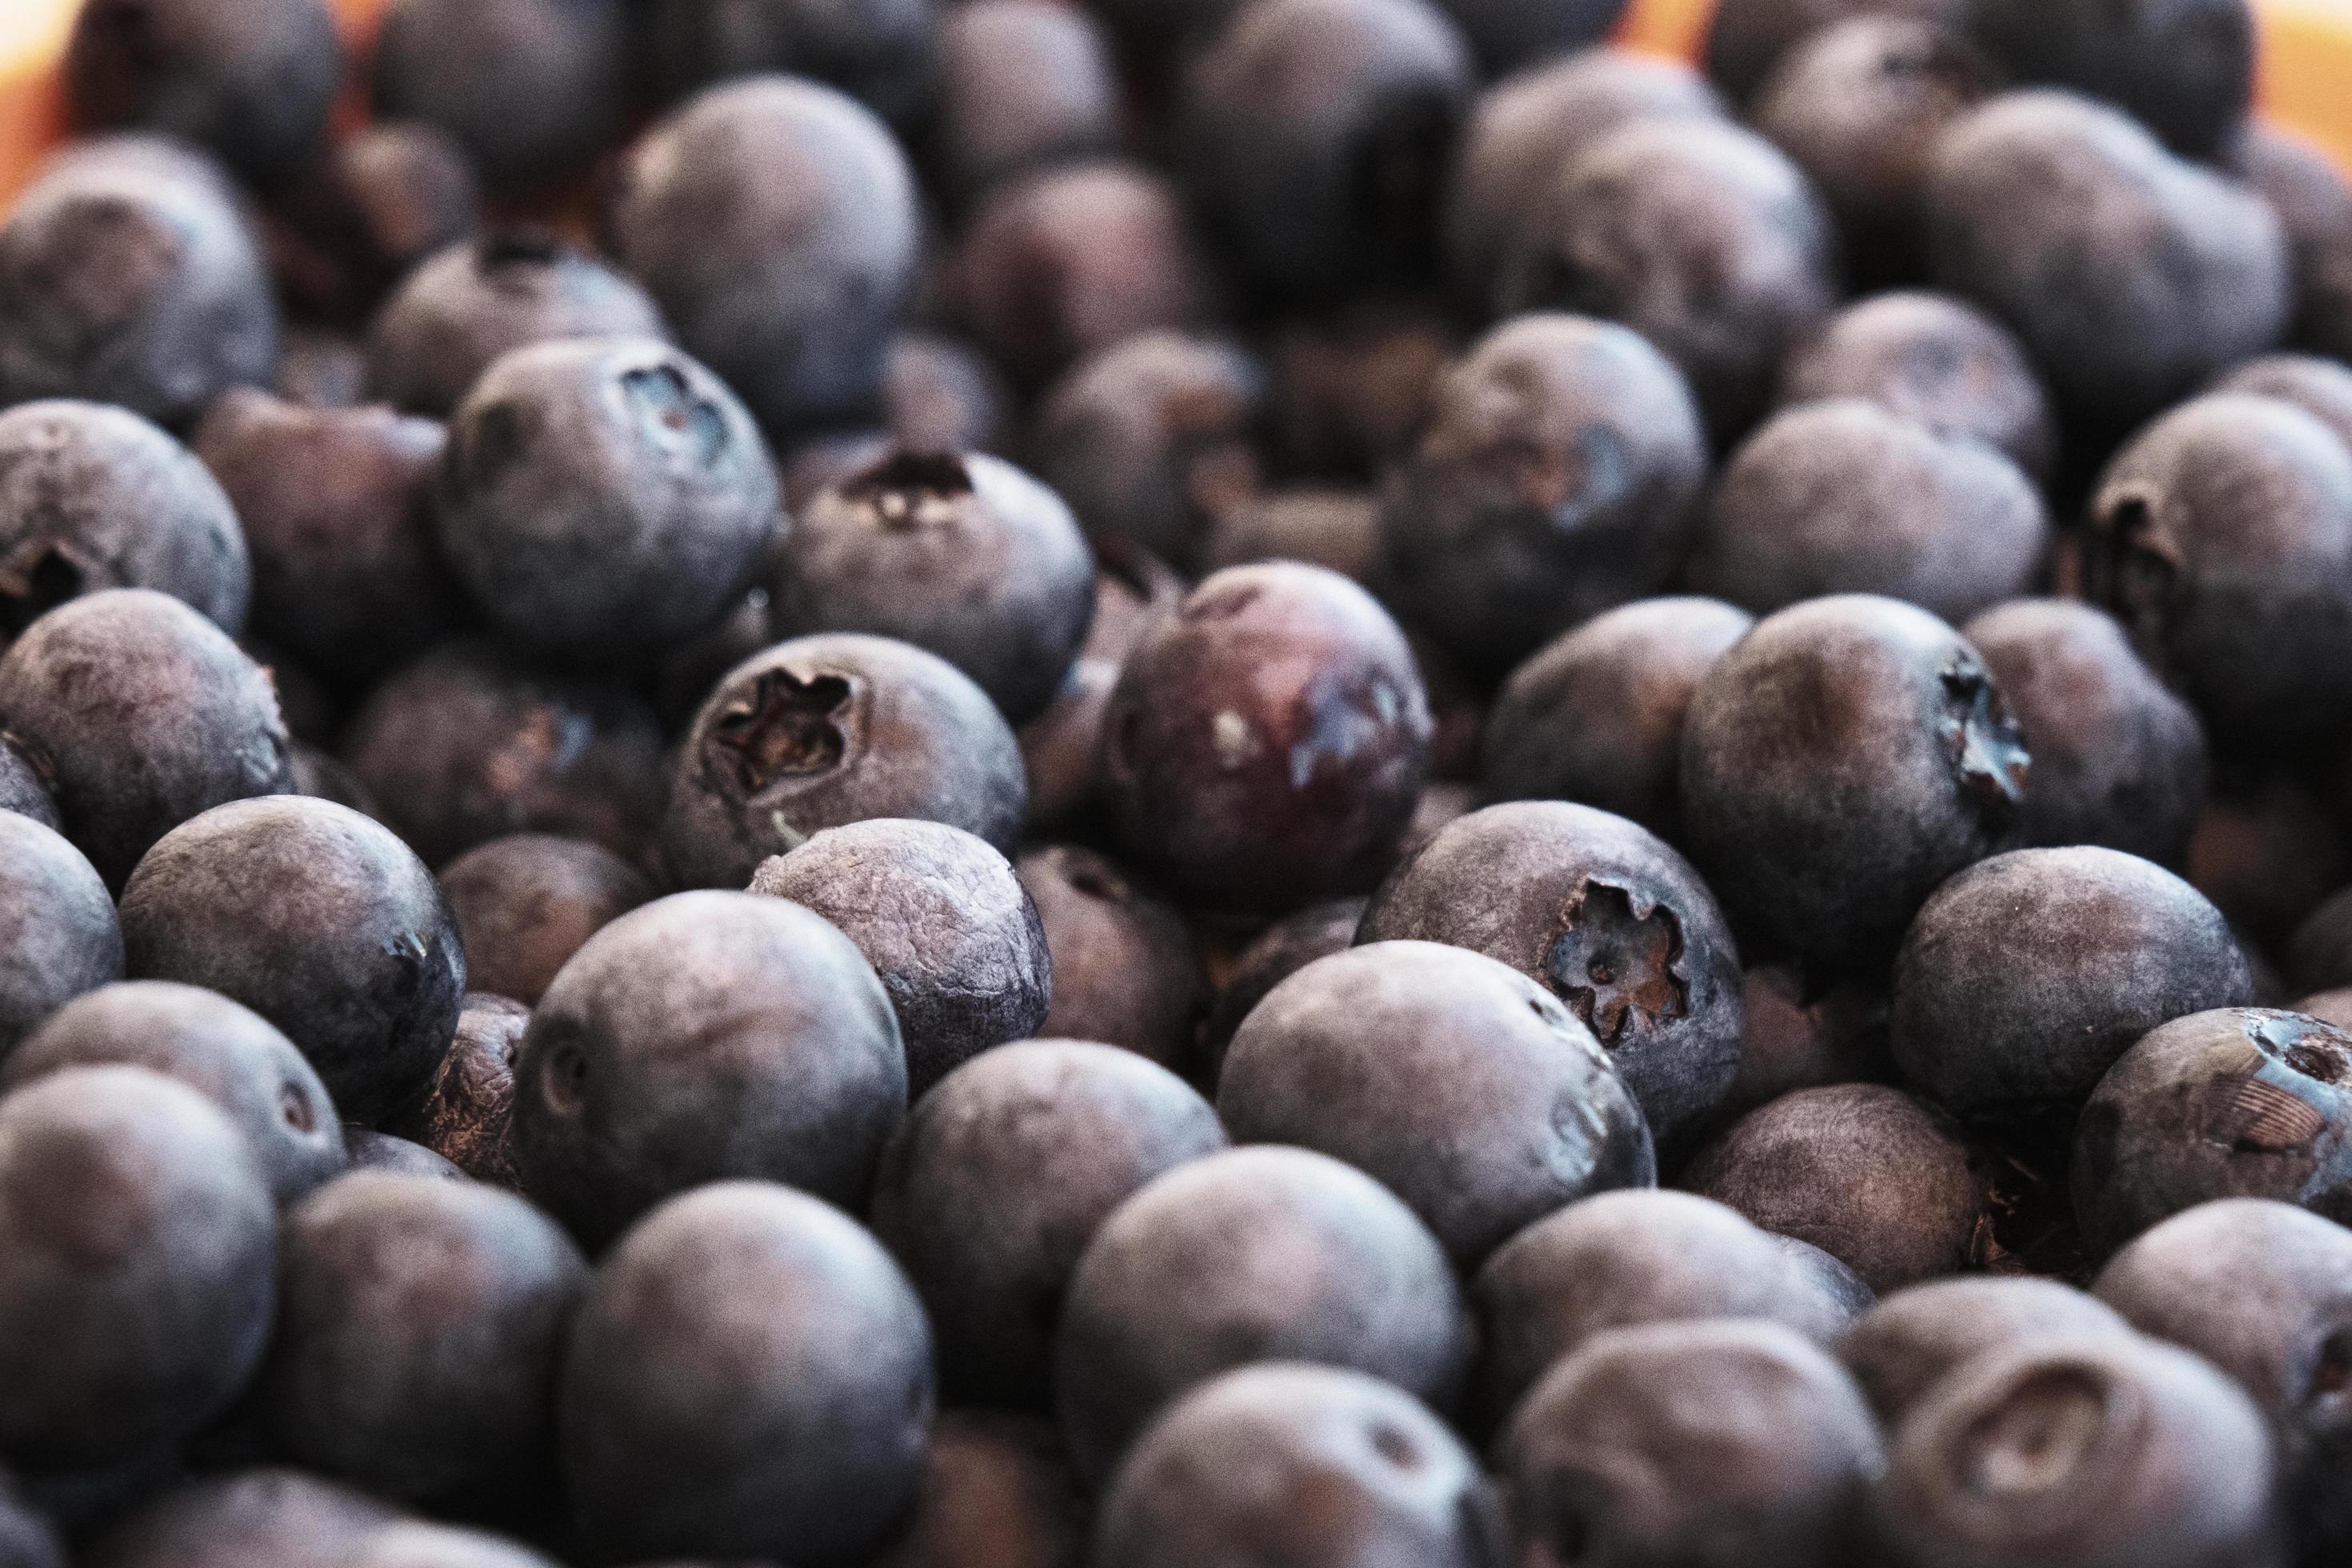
x=1558, y=474
x=1625, y=1259
x=776, y=222
x=93, y=497
x=804, y=1426
x=876, y=50
x=128, y=276
x=468, y=306
x=252, y=81
x=944, y=395
x=1127, y=967
x=605, y=493
x=386, y=1154
x=829, y=729
x=1350, y=387
x=946, y=924
x=1262, y=1254
x=1315, y=134
x=59, y=938
x=1337, y=530
x=2235, y=1102
x=1931, y=358
x=995, y=1490
x=532, y=89
x=527, y=902
x=2267, y=850
x=467, y=1117
x=1305, y=1465
x=1522, y=127
x=226, y=1052
x=2186, y=70
x=1002, y=1175
x=1451, y=1078
x=2129, y=275
x=962, y=554
x=136, y=1269
x=2320, y=387
x=1597, y=714
x=1061, y=751
x=366, y=212
x=140, y=714
x=1621, y=1454
x=2319, y=957
x=23, y=790
x=260, y=1517
x=321, y=922
x=1858, y=106
x=1807, y=1034
x=2027, y=975
x=1841, y=761
x=1150, y=440
x=705, y=1037
x=1605, y=917
x=1273, y=957
x=1747, y=38
x=2263, y=1290
x=453, y=1297
x=336, y=506
x=1902, y=1348
x=1702, y=236
x=2094, y=1453
x=1066, y=261
x=2310, y=192
x=2118, y=759
x=1842, y=496
x=1266, y=744
x=320, y=369
x=1019, y=84
x=472, y=742
x=1876, y=1178
x=2241, y=602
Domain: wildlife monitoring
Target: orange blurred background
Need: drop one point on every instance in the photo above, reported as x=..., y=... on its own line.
x=2306, y=69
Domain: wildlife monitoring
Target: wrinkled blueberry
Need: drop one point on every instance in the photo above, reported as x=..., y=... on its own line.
x=946, y=924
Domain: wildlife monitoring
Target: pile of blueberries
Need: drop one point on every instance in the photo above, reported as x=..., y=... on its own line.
x=1207, y=783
